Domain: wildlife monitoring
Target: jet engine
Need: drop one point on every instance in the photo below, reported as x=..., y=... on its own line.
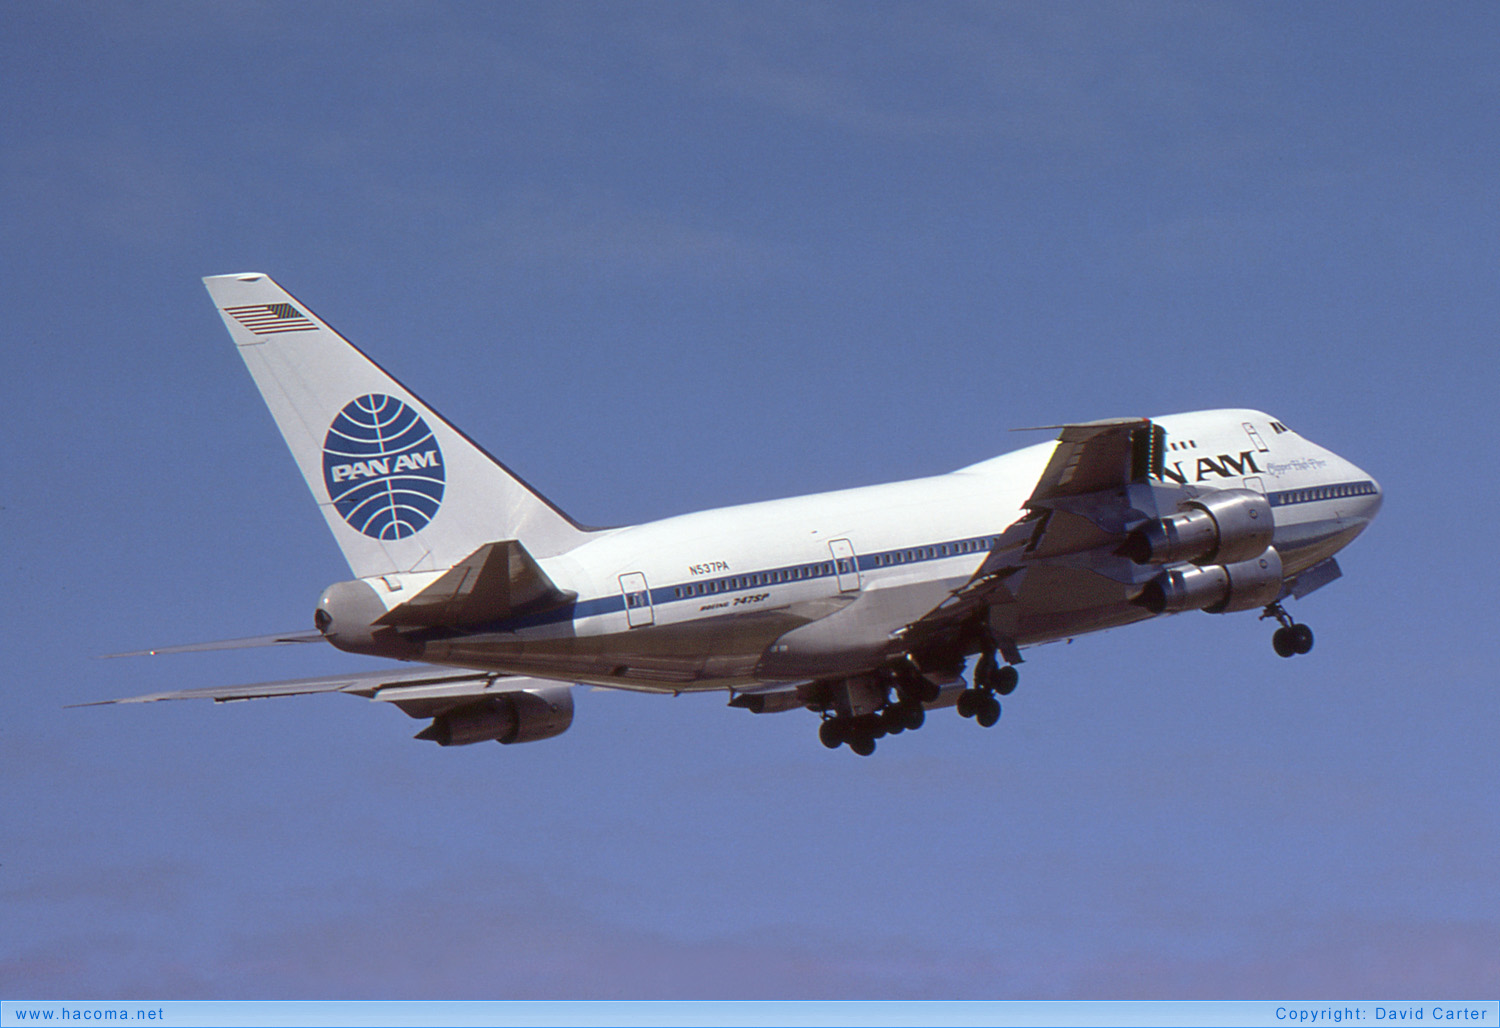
x=1217, y=588
x=520, y=716
x=1225, y=527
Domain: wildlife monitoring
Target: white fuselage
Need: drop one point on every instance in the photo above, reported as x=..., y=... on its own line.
x=824, y=584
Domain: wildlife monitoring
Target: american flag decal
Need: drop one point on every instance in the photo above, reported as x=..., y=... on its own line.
x=265, y=319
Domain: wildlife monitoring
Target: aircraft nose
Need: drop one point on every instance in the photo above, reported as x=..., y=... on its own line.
x=1370, y=501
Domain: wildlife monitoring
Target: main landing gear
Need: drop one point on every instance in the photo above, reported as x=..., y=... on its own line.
x=1291, y=638
x=900, y=694
x=902, y=710
x=861, y=731
x=990, y=677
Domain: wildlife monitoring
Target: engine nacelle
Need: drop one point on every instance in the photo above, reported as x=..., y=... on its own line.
x=1224, y=527
x=1217, y=588
x=520, y=716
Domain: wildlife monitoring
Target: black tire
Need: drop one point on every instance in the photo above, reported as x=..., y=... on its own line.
x=863, y=745
x=1282, y=642
x=916, y=717
x=831, y=733
x=967, y=702
x=1302, y=639
x=1006, y=679
x=893, y=719
x=989, y=712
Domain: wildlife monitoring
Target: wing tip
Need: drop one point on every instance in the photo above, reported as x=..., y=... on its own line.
x=242, y=276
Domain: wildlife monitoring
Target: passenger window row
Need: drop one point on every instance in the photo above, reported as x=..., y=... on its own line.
x=738, y=583
x=1325, y=492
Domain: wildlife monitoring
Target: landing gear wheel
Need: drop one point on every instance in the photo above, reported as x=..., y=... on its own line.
x=1291, y=638
x=990, y=676
x=989, y=711
x=968, y=702
x=1281, y=642
x=863, y=745
x=1301, y=638
x=893, y=719
x=831, y=733
x=916, y=717
x=1006, y=679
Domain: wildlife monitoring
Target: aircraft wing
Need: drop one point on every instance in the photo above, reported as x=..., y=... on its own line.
x=1084, y=496
x=1057, y=563
x=1100, y=455
x=418, y=689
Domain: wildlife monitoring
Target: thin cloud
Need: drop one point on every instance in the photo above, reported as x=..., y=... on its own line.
x=1074, y=77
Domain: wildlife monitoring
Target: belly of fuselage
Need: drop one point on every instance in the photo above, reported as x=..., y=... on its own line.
x=710, y=653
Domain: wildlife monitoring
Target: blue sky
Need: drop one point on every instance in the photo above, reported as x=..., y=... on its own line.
x=665, y=257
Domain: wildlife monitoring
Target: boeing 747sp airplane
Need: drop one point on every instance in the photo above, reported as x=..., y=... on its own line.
x=863, y=605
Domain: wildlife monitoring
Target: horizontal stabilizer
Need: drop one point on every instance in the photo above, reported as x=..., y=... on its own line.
x=497, y=581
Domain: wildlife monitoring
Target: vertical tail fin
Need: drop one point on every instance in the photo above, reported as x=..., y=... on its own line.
x=400, y=488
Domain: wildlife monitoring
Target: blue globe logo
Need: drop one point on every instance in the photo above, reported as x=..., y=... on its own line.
x=383, y=468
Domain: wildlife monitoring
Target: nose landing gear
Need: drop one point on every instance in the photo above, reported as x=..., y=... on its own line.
x=1291, y=638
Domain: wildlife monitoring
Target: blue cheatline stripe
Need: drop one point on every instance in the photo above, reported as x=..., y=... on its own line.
x=1313, y=494
x=724, y=585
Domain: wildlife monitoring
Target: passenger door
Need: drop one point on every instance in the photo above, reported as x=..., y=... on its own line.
x=845, y=564
x=637, y=600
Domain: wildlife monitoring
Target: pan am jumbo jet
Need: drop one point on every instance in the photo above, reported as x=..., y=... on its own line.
x=862, y=605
